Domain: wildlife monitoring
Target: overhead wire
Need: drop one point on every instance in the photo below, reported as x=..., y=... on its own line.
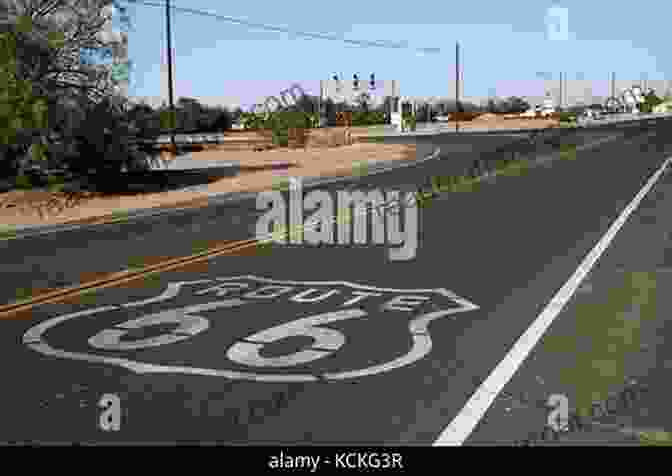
x=266, y=27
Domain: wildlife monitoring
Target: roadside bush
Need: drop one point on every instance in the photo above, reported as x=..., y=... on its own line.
x=368, y=118
x=314, y=120
x=280, y=124
x=409, y=121
x=10, y=158
x=23, y=182
x=222, y=122
x=566, y=117
x=102, y=143
x=252, y=121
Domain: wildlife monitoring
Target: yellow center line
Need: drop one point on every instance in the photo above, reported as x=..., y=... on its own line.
x=126, y=276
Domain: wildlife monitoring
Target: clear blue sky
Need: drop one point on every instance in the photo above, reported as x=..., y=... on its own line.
x=503, y=46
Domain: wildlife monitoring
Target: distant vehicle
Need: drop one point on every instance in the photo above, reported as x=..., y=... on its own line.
x=441, y=118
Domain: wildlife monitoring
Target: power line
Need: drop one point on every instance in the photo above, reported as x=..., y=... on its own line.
x=262, y=26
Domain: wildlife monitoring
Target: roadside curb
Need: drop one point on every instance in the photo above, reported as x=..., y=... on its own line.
x=215, y=198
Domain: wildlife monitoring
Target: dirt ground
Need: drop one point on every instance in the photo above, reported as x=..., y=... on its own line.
x=43, y=207
x=492, y=121
x=328, y=153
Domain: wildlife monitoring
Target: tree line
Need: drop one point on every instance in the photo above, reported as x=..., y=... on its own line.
x=59, y=110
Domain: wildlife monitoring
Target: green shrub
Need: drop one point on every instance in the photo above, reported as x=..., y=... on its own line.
x=367, y=118
x=280, y=138
x=250, y=120
x=54, y=180
x=23, y=182
x=314, y=120
x=281, y=122
x=7, y=232
x=567, y=117
x=409, y=121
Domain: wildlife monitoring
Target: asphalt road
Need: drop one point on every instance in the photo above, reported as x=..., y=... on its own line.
x=379, y=374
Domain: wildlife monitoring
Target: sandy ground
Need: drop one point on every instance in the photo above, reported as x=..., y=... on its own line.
x=501, y=123
x=24, y=207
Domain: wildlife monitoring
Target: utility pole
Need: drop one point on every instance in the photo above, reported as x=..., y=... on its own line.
x=457, y=86
x=560, y=104
x=319, y=107
x=170, y=80
x=613, y=85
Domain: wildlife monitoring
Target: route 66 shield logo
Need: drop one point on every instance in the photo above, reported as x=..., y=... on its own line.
x=254, y=328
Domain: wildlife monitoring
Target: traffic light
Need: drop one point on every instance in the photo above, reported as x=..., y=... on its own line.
x=338, y=85
x=355, y=83
x=372, y=82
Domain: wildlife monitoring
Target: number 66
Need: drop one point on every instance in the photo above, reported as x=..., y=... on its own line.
x=327, y=340
x=245, y=352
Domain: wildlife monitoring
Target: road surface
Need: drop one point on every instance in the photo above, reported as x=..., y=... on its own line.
x=308, y=345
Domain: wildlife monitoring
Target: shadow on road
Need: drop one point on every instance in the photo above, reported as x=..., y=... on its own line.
x=145, y=181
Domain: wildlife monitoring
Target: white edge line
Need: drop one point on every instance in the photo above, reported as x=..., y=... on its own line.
x=471, y=414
